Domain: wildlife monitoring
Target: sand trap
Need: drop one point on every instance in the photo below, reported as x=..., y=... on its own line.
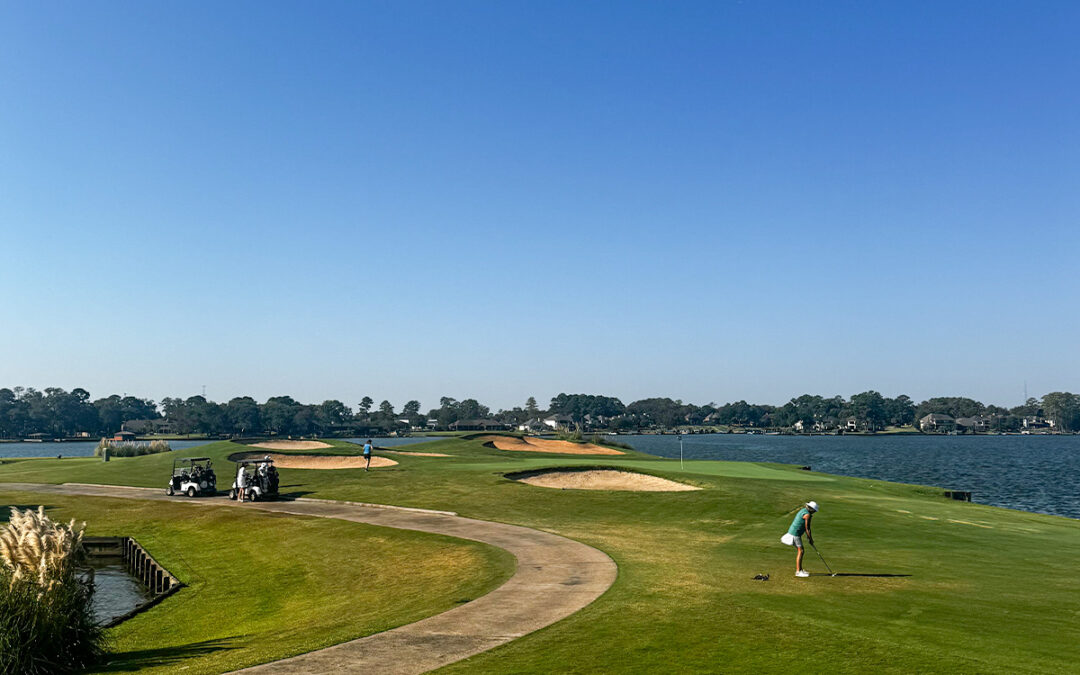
x=320, y=461
x=599, y=479
x=544, y=445
x=291, y=445
x=415, y=454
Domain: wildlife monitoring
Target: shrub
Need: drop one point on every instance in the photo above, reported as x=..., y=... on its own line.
x=130, y=448
x=46, y=618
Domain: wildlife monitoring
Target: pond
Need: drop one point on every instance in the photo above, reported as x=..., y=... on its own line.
x=116, y=592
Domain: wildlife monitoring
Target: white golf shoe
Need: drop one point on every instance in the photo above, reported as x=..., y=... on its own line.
x=802, y=573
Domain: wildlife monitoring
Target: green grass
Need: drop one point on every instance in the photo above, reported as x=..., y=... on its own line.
x=264, y=586
x=986, y=590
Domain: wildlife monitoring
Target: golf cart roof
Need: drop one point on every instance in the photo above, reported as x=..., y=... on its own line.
x=254, y=461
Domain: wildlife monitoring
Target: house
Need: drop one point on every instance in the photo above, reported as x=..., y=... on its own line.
x=124, y=435
x=979, y=423
x=559, y=422
x=478, y=425
x=937, y=422
x=799, y=426
x=1037, y=422
x=535, y=425
x=432, y=424
x=851, y=424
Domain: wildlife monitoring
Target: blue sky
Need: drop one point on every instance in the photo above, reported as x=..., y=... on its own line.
x=708, y=201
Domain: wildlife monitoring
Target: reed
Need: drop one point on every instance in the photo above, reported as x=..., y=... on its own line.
x=130, y=448
x=46, y=619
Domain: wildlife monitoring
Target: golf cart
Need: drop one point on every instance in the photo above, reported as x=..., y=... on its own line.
x=192, y=476
x=260, y=480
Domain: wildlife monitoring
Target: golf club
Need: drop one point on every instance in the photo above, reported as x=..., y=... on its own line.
x=831, y=573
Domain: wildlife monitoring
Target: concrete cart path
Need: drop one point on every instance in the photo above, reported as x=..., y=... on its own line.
x=555, y=577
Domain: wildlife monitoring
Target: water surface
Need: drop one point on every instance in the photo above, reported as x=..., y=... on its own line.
x=72, y=449
x=1030, y=473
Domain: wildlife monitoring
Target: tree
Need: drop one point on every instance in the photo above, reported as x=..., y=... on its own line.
x=531, y=409
x=278, y=414
x=411, y=411
x=386, y=411
x=365, y=405
x=242, y=413
x=1063, y=408
x=330, y=414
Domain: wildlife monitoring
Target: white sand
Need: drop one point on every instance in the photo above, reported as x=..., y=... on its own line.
x=602, y=479
x=528, y=444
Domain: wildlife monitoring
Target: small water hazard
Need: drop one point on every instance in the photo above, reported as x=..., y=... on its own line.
x=116, y=592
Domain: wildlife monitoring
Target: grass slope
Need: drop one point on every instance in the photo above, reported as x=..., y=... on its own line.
x=982, y=589
x=265, y=586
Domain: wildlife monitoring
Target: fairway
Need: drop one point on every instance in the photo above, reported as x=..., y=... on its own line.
x=923, y=583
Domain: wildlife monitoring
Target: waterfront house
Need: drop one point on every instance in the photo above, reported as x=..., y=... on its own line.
x=556, y=422
x=124, y=435
x=937, y=422
x=534, y=425
x=1037, y=422
x=478, y=425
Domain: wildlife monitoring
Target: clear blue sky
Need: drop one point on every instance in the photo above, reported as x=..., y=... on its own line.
x=708, y=201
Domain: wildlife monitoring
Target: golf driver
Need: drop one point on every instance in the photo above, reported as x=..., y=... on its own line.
x=831, y=573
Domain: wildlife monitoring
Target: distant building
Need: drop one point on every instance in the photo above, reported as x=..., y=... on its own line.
x=478, y=425
x=124, y=436
x=534, y=425
x=559, y=422
x=937, y=422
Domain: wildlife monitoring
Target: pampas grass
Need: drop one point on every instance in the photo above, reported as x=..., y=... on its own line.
x=130, y=448
x=46, y=621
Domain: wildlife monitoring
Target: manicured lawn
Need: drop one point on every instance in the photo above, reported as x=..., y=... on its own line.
x=978, y=589
x=264, y=586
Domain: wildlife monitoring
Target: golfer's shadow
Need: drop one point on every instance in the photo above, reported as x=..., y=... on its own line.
x=853, y=574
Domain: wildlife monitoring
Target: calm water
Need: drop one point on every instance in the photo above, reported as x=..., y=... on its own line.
x=75, y=449
x=1030, y=473
x=115, y=591
x=394, y=442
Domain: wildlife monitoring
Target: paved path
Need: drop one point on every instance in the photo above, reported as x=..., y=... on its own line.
x=555, y=577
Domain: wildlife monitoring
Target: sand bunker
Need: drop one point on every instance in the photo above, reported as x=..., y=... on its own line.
x=291, y=445
x=544, y=445
x=599, y=479
x=321, y=461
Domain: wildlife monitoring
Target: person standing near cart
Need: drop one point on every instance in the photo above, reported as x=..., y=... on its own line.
x=241, y=482
x=367, y=455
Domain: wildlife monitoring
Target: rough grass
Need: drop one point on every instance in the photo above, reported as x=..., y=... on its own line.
x=990, y=590
x=265, y=586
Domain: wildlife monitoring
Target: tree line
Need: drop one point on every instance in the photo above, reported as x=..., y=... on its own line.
x=55, y=412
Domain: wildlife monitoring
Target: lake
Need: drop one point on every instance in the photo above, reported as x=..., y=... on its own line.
x=73, y=449
x=1030, y=473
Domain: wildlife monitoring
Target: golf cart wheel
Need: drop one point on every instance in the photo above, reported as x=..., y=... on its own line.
x=191, y=491
x=250, y=496
x=170, y=491
x=232, y=494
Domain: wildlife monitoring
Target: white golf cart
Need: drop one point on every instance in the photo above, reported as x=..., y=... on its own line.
x=260, y=480
x=192, y=476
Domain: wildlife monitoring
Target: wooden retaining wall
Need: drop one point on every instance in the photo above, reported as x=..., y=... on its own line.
x=158, y=580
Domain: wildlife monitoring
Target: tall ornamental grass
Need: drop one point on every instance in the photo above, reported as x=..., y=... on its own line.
x=130, y=448
x=47, y=623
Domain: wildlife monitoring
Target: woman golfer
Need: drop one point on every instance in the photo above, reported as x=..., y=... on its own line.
x=794, y=534
x=367, y=455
